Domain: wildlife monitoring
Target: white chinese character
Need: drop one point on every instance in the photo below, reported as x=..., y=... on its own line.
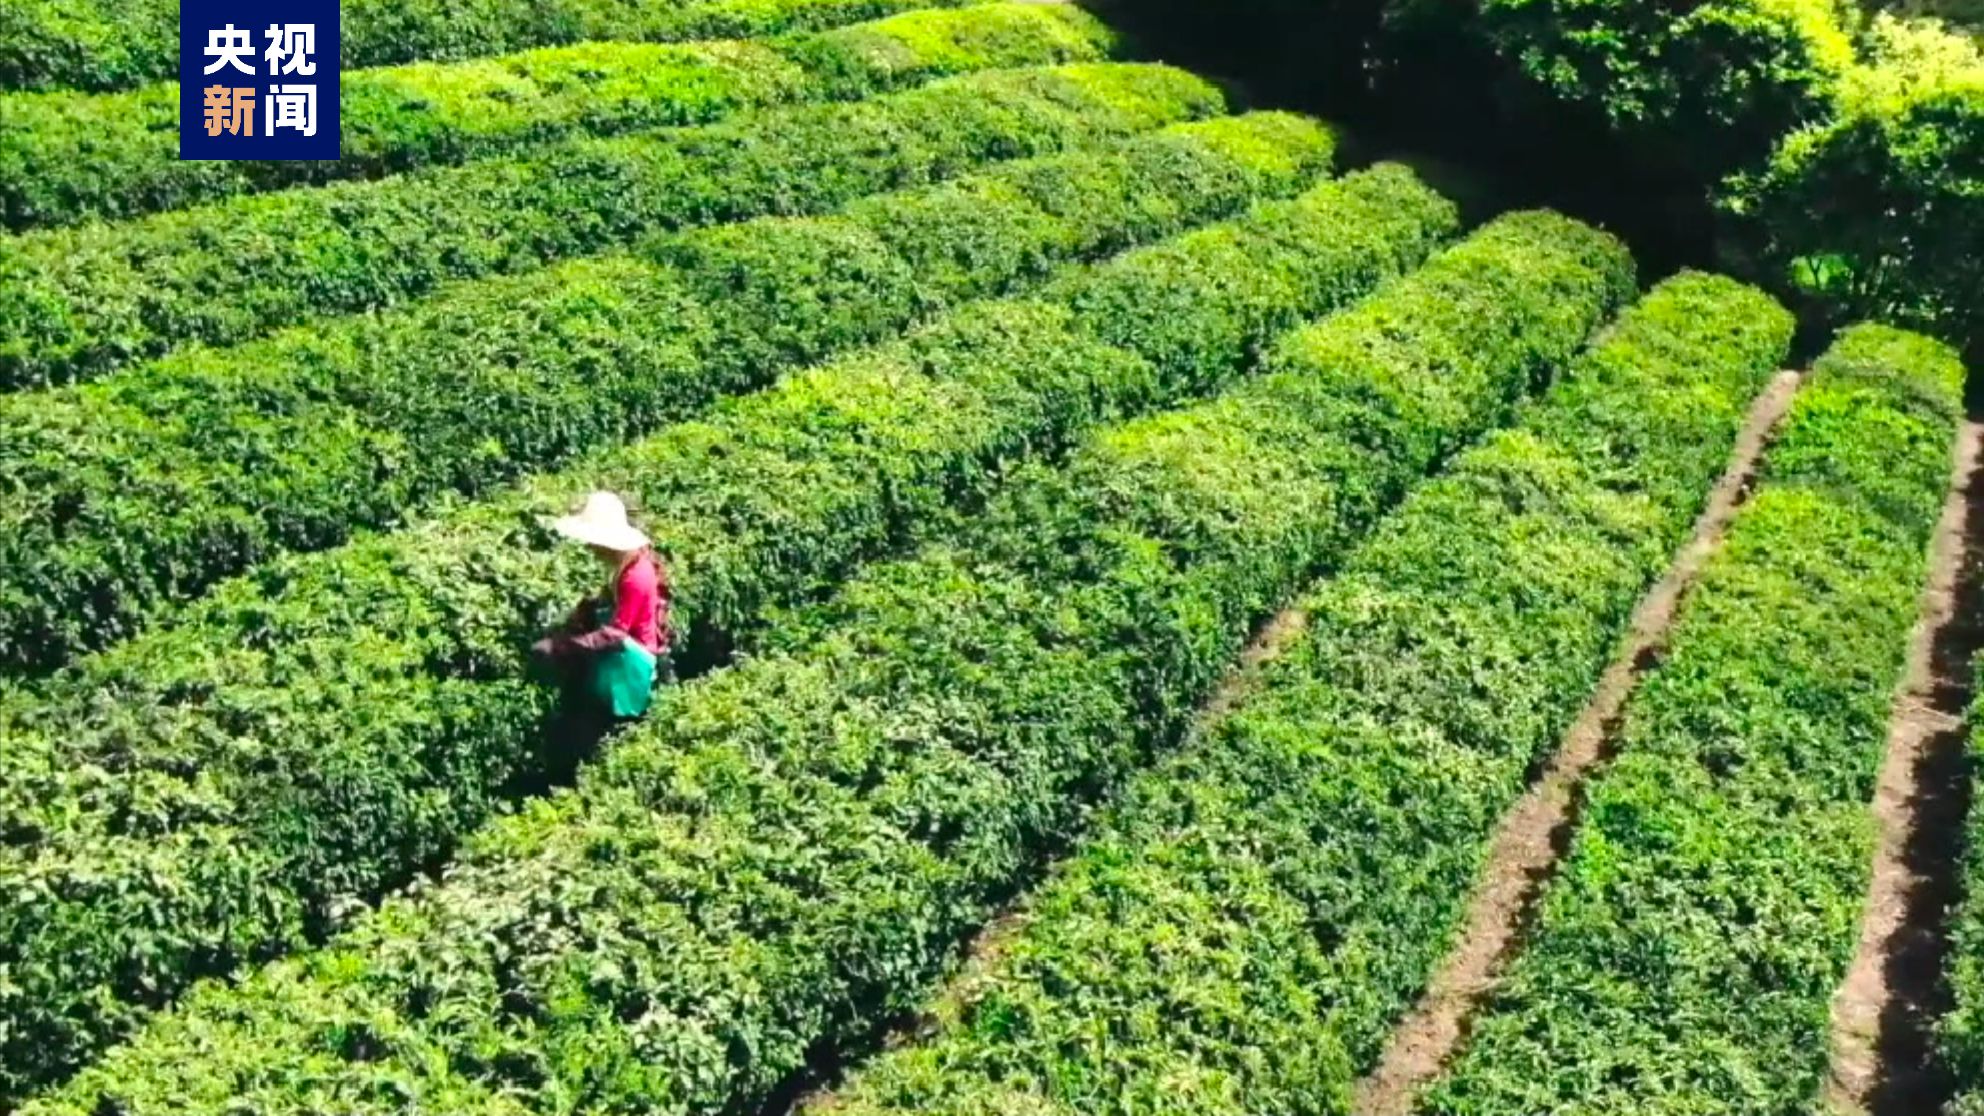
x=298, y=41
x=227, y=47
x=291, y=106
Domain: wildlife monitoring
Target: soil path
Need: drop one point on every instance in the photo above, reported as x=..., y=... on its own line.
x=818, y=1095
x=1536, y=829
x=1883, y=1012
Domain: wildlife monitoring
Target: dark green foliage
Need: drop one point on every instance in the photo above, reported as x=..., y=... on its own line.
x=116, y=44
x=1836, y=158
x=1830, y=154
x=75, y=303
x=786, y=850
x=1711, y=85
x=404, y=649
x=1684, y=958
x=1245, y=927
x=67, y=157
x=146, y=487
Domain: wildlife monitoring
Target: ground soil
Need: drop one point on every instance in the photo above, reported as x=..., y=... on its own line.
x=1536, y=830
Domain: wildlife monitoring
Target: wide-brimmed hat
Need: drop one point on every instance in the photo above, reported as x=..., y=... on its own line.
x=601, y=521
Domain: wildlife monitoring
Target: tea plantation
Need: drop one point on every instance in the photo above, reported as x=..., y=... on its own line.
x=1134, y=543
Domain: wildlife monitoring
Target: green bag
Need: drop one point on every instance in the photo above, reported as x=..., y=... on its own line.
x=623, y=679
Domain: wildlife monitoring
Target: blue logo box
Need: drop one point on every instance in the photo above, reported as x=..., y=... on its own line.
x=258, y=80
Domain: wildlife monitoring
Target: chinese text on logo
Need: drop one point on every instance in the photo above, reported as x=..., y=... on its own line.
x=258, y=80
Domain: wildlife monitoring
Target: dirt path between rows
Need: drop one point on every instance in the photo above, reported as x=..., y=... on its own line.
x=1536, y=830
x=819, y=1094
x=1883, y=1013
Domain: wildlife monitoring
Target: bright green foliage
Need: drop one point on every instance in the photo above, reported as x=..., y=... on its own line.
x=65, y=157
x=1846, y=155
x=77, y=302
x=1960, y=1035
x=784, y=852
x=404, y=649
x=77, y=42
x=760, y=508
x=116, y=44
x=1249, y=922
x=1879, y=211
x=1965, y=16
x=1685, y=956
x=148, y=486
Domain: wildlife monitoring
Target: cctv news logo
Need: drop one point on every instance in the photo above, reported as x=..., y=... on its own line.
x=258, y=79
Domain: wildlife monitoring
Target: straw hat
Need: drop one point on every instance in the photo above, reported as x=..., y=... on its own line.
x=602, y=521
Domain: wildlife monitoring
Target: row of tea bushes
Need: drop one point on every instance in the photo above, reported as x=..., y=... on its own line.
x=69, y=157
x=116, y=44
x=77, y=303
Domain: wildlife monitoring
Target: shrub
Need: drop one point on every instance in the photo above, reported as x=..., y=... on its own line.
x=1244, y=927
x=1879, y=210
x=1679, y=91
x=75, y=303
x=1729, y=75
x=67, y=157
x=1720, y=865
x=785, y=850
x=223, y=717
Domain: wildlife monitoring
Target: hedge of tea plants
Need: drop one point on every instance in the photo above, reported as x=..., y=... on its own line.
x=116, y=44
x=70, y=157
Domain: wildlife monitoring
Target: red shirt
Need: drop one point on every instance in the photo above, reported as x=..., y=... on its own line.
x=640, y=607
